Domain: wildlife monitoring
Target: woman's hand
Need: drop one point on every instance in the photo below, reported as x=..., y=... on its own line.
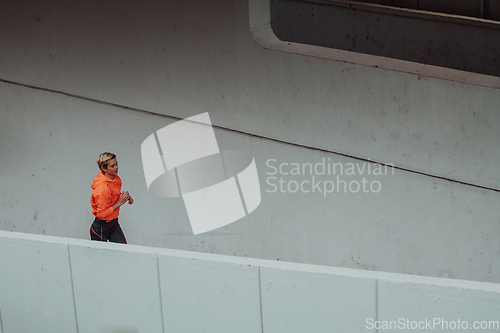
x=130, y=200
x=124, y=197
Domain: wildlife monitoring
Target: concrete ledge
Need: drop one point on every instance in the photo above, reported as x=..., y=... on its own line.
x=116, y=289
x=36, y=293
x=209, y=296
x=443, y=305
x=52, y=284
x=295, y=301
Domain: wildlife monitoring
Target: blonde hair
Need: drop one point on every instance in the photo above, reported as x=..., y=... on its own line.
x=103, y=160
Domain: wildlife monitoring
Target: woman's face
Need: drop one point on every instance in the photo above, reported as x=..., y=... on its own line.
x=112, y=170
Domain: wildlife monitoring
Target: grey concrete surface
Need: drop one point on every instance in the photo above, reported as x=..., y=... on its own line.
x=110, y=287
x=182, y=58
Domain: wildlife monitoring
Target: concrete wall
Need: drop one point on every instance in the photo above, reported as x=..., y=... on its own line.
x=52, y=284
x=182, y=58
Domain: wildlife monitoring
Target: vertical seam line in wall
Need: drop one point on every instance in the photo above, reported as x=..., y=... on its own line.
x=238, y=186
x=223, y=164
x=124, y=107
x=260, y=301
x=158, y=145
x=242, y=198
x=178, y=182
x=161, y=298
x=1, y=322
x=73, y=288
x=376, y=302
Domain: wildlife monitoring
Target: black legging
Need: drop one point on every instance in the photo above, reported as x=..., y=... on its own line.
x=107, y=231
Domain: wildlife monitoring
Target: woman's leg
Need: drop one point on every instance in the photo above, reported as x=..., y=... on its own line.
x=116, y=235
x=96, y=233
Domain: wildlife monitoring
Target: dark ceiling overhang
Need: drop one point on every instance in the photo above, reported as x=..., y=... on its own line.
x=449, y=46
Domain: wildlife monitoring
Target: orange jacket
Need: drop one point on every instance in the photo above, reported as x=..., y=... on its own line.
x=106, y=194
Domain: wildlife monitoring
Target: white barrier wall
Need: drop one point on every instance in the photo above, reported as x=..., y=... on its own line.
x=182, y=58
x=51, y=284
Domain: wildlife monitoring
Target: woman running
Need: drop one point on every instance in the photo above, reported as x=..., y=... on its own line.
x=106, y=201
